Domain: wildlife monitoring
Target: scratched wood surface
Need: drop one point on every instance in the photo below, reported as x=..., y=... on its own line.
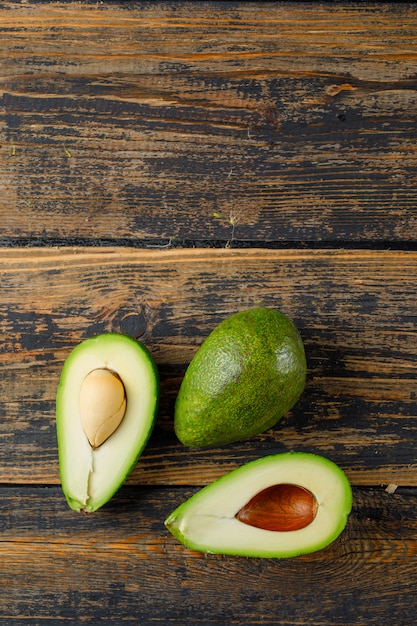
x=264, y=123
x=356, y=311
x=119, y=566
x=163, y=165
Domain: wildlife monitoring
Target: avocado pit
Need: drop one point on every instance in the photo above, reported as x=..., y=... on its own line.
x=102, y=404
x=280, y=508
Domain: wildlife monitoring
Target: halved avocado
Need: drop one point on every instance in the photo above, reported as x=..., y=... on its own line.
x=281, y=505
x=112, y=378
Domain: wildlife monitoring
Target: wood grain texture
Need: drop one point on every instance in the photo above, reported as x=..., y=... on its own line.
x=150, y=133
x=134, y=571
x=260, y=122
x=355, y=310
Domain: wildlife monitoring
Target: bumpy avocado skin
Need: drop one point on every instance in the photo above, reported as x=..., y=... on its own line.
x=245, y=376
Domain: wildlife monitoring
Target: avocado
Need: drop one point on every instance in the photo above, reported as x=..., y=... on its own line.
x=281, y=505
x=106, y=407
x=245, y=376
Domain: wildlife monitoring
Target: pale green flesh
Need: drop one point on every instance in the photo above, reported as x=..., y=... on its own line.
x=90, y=477
x=207, y=522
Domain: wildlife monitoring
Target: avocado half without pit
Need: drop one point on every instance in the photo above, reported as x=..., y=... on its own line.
x=282, y=505
x=105, y=411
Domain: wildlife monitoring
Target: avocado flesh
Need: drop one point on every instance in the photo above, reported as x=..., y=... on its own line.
x=207, y=521
x=90, y=477
x=244, y=377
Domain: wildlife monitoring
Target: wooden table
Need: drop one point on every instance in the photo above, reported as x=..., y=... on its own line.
x=164, y=165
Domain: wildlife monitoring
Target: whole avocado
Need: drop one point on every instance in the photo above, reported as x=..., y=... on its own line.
x=245, y=376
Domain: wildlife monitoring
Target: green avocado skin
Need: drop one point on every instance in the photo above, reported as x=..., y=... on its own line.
x=245, y=376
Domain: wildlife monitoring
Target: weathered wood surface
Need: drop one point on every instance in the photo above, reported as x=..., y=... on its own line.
x=356, y=311
x=251, y=121
x=134, y=139
x=121, y=567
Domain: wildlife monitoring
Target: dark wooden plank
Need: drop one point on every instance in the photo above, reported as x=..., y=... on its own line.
x=266, y=122
x=208, y=124
x=133, y=571
x=356, y=311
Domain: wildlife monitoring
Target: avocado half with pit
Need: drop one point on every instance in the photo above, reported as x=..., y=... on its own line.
x=106, y=407
x=281, y=505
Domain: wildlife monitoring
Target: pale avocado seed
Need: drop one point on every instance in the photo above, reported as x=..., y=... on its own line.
x=102, y=405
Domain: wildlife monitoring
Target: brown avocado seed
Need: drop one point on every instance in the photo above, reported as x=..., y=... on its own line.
x=281, y=508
